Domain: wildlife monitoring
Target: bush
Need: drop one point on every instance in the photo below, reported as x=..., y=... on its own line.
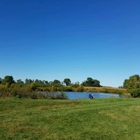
x=135, y=92
x=55, y=95
x=61, y=95
x=80, y=88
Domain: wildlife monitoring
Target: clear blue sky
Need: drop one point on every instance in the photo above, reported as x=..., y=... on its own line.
x=76, y=39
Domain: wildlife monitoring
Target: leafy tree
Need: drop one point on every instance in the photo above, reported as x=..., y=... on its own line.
x=56, y=83
x=91, y=82
x=19, y=81
x=75, y=85
x=51, y=83
x=28, y=81
x=96, y=83
x=135, y=92
x=46, y=82
x=67, y=81
x=8, y=80
x=132, y=83
x=38, y=82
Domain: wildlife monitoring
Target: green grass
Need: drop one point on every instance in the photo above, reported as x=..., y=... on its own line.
x=99, y=119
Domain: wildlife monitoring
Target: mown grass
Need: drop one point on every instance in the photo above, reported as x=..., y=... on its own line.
x=99, y=119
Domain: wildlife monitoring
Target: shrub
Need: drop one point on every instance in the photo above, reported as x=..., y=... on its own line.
x=135, y=92
x=61, y=95
x=80, y=88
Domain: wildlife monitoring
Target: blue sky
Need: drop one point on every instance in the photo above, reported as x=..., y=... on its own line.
x=76, y=39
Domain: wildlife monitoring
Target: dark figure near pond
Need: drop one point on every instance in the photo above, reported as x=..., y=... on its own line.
x=90, y=96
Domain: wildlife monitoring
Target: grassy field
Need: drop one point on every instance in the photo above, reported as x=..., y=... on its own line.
x=99, y=119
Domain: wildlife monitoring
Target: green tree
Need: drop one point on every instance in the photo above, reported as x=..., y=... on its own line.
x=75, y=85
x=96, y=83
x=46, y=82
x=56, y=83
x=8, y=80
x=91, y=82
x=19, y=81
x=135, y=92
x=28, y=81
x=51, y=83
x=67, y=81
x=38, y=82
x=133, y=85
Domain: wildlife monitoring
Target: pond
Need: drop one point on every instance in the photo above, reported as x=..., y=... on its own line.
x=79, y=95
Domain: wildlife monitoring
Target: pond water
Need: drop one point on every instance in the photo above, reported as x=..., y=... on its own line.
x=79, y=95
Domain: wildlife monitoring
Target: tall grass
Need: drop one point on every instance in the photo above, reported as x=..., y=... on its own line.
x=27, y=92
x=86, y=89
x=31, y=91
x=106, y=90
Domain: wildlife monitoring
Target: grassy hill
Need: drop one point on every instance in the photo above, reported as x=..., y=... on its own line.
x=99, y=119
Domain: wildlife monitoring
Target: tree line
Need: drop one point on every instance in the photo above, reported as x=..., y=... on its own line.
x=9, y=80
x=10, y=87
x=32, y=88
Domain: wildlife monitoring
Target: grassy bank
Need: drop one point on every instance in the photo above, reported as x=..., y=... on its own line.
x=106, y=119
x=106, y=90
x=86, y=89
